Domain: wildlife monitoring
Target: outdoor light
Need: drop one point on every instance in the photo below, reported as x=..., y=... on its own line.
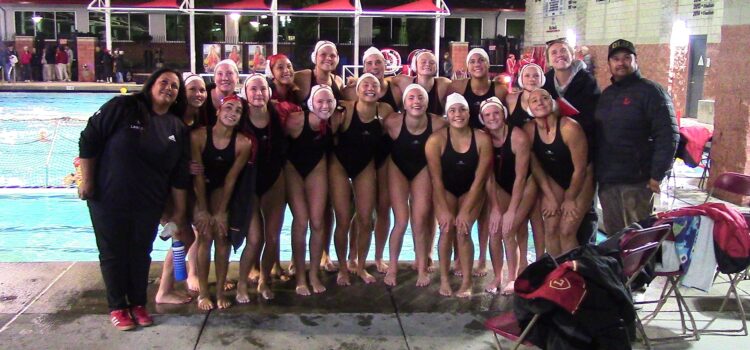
x=255, y=24
x=570, y=34
x=36, y=18
x=234, y=16
x=680, y=34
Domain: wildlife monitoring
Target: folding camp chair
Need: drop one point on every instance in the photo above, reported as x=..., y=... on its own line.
x=738, y=184
x=637, y=248
x=507, y=326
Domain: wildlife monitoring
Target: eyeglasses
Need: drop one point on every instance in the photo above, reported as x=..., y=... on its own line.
x=557, y=41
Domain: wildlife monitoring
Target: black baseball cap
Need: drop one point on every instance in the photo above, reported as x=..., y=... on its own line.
x=620, y=45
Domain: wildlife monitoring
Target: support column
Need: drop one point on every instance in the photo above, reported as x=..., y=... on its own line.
x=86, y=59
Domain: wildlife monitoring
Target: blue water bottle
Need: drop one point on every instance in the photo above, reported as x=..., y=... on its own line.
x=178, y=259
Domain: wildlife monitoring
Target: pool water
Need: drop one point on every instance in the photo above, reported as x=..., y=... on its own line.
x=53, y=224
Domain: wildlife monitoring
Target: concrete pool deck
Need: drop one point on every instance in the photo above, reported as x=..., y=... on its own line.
x=62, y=306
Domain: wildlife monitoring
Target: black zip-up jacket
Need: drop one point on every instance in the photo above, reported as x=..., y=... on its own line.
x=636, y=132
x=583, y=93
x=605, y=319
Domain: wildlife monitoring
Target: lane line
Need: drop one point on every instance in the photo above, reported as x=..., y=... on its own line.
x=7, y=325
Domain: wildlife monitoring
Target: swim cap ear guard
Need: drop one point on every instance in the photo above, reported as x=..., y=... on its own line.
x=542, y=78
x=319, y=45
x=243, y=94
x=492, y=101
x=314, y=91
x=414, y=60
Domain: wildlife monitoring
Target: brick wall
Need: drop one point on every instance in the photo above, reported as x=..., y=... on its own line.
x=730, y=147
x=86, y=59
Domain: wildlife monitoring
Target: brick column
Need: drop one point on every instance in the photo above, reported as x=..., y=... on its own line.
x=22, y=41
x=731, y=143
x=86, y=53
x=458, y=51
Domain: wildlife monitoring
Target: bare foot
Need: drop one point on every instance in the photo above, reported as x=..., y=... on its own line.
x=265, y=291
x=192, y=284
x=381, y=265
x=431, y=266
x=492, y=286
x=223, y=302
x=445, y=289
x=423, y=279
x=302, y=290
x=343, y=277
x=229, y=285
x=253, y=276
x=509, y=288
x=242, y=297
x=291, y=270
x=328, y=266
x=464, y=293
x=480, y=271
x=366, y=276
x=278, y=272
x=317, y=286
x=172, y=297
x=458, y=273
x=390, y=277
x=352, y=265
x=205, y=303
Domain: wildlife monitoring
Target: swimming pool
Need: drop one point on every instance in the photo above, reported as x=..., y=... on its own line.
x=53, y=224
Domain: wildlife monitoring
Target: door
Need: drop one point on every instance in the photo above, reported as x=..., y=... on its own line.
x=698, y=62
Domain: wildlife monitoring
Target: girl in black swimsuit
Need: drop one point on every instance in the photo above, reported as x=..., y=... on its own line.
x=352, y=167
x=326, y=58
x=510, y=198
x=559, y=167
x=270, y=158
x=374, y=63
x=223, y=153
x=459, y=159
x=530, y=78
x=424, y=64
x=310, y=141
x=195, y=89
x=409, y=180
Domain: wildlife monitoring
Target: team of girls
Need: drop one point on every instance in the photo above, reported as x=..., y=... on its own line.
x=434, y=152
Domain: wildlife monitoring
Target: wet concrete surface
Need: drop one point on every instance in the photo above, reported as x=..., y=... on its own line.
x=20, y=283
x=303, y=331
x=86, y=331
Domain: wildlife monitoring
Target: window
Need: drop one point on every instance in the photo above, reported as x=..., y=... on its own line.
x=514, y=28
x=24, y=24
x=125, y=26
x=217, y=28
x=96, y=22
x=47, y=26
x=65, y=22
x=258, y=28
x=473, y=31
x=346, y=30
x=138, y=26
x=452, y=31
x=176, y=27
x=328, y=28
x=120, y=24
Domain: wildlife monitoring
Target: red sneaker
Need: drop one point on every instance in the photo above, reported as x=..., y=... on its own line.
x=121, y=320
x=141, y=316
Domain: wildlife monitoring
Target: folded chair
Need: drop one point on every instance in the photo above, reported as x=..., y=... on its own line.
x=738, y=184
x=638, y=248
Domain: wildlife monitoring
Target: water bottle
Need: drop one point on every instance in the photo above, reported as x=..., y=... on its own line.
x=178, y=259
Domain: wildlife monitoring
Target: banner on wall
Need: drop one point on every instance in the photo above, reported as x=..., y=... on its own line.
x=234, y=53
x=256, y=58
x=211, y=56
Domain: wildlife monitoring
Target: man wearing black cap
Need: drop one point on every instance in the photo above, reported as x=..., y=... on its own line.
x=636, y=139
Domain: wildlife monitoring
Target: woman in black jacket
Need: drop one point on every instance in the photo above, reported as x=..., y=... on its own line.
x=134, y=154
